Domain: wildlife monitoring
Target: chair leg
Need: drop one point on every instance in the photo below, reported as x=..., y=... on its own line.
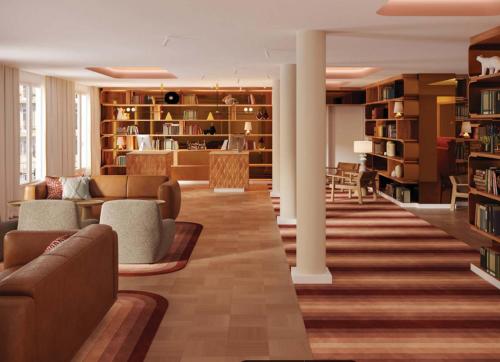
x=360, y=195
x=453, y=203
x=332, y=195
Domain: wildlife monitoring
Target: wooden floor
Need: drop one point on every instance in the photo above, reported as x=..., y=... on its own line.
x=235, y=299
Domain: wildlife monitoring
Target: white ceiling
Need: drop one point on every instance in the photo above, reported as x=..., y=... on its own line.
x=212, y=39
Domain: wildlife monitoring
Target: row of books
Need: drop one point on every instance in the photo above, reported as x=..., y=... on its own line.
x=400, y=193
x=189, y=114
x=121, y=160
x=487, y=218
x=487, y=180
x=464, y=149
x=490, y=261
x=490, y=101
x=173, y=129
x=388, y=92
x=388, y=131
x=190, y=99
x=461, y=110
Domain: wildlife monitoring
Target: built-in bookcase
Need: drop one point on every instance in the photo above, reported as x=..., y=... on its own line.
x=200, y=116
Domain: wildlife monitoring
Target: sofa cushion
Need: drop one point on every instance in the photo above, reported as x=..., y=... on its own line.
x=108, y=186
x=54, y=188
x=144, y=186
x=75, y=188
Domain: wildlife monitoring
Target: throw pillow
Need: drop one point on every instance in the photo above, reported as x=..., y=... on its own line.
x=75, y=188
x=54, y=188
x=56, y=242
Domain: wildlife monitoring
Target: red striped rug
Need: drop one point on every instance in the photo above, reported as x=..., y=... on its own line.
x=402, y=290
x=127, y=330
x=186, y=236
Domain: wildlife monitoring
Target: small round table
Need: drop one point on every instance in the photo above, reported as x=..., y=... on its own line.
x=86, y=207
x=15, y=203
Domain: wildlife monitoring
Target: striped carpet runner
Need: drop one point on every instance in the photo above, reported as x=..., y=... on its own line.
x=402, y=290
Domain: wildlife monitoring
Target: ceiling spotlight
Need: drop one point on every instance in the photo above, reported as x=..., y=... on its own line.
x=267, y=54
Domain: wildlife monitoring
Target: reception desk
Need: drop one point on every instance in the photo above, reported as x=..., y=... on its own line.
x=228, y=171
x=149, y=163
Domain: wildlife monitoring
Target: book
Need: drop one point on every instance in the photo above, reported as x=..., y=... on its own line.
x=490, y=261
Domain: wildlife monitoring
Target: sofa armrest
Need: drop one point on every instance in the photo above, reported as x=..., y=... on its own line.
x=170, y=192
x=35, y=191
x=17, y=328
x=5, y=227
x=21, y=247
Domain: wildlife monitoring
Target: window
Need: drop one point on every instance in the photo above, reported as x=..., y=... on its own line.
x=31, y=152
x=82, y=131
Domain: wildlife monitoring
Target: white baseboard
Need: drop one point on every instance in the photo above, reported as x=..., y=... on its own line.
x=286, y=221
x=193, y=182
x=416, y=205
x=301, y=278
x=226, y=190
x=483, y=275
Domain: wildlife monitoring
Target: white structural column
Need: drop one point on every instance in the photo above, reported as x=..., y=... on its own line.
x=276, y=138
x=311, y=127
x=287, y=144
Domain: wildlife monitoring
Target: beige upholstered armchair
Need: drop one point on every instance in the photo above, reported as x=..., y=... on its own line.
x=143, y=237
x=358, y=184
x=44, y=215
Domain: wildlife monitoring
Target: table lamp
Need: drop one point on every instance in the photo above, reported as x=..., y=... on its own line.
x=362, y=147
x=120, y=142
x=248, y=128
x=398, y=109
x=466, y=129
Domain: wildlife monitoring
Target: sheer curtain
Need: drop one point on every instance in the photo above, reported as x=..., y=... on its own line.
x=60, y=121
x=9, y=138
x=95, y=135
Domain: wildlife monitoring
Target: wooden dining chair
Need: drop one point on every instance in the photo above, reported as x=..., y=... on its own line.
x=459, y=188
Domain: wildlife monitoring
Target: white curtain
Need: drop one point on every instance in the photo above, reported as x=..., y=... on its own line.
x=95, y=134
x=9, y=138
x=60, y=121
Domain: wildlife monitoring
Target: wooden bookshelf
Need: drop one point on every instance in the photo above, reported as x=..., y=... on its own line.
x=413, y=134
x=147, y=110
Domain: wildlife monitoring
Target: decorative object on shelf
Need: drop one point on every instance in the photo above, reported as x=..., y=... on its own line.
x=120, y=142
x=210, y=116
x=229, y=100
x=362, y=147
x=398, y=109
x=393, y=173
x=489, y=65
x=398, y=170
x=261, y=145
x=251, y=99
x=168, y=117
x=120, y=114
x=248, y=128
x=262, y=114
x=466, y=129
x=391, y=149
x=172, y=98
x=248, y=109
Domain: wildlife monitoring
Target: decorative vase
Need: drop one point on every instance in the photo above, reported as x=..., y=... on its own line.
x=398, y=171
x=172, y=98
x=391, y=149
x=212, y=130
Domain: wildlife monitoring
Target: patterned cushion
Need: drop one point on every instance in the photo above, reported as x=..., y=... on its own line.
x=75, y=188
x=54, y=188
x=56, y=242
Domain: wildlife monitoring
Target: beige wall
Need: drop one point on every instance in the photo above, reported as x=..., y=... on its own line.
x=345, y=125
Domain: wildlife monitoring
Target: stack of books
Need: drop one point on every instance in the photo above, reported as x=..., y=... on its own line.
x=461, y=110
x=490, y=261
x=490, y=101
x=487, y=218
x=463, y=149
x=388, y=92
x=487, y=180
x=171, y=129
x=391, y=131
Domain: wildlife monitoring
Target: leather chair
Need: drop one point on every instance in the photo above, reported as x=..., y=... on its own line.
x=143, y=237
x=41, y=215
x=51, y=302
x=5, y=227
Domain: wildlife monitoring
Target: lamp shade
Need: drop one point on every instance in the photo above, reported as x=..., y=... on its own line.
x=120, y=142
x=466, y=127
x=248, y=127
x=362, y=146
x=398, y=107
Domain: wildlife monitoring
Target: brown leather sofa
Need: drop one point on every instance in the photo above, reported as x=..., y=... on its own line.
x=116, y=187
x=51, y=302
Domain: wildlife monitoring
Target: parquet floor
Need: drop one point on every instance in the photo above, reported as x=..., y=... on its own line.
x=235, y=299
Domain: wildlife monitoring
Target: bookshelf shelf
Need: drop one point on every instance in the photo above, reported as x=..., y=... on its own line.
x=486, y=78
x=486, y=234
x=395, y=139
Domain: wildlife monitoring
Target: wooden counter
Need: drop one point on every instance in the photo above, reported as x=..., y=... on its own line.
x=150, y=163
x=229, y=171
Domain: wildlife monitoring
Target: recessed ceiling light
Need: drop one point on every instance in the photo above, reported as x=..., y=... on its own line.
x=349, y=72
x=134, y=72
x=440, y=8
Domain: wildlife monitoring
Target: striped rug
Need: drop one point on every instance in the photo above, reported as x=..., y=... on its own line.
x=402, y=290
x=186, y=236
x=127, y=330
